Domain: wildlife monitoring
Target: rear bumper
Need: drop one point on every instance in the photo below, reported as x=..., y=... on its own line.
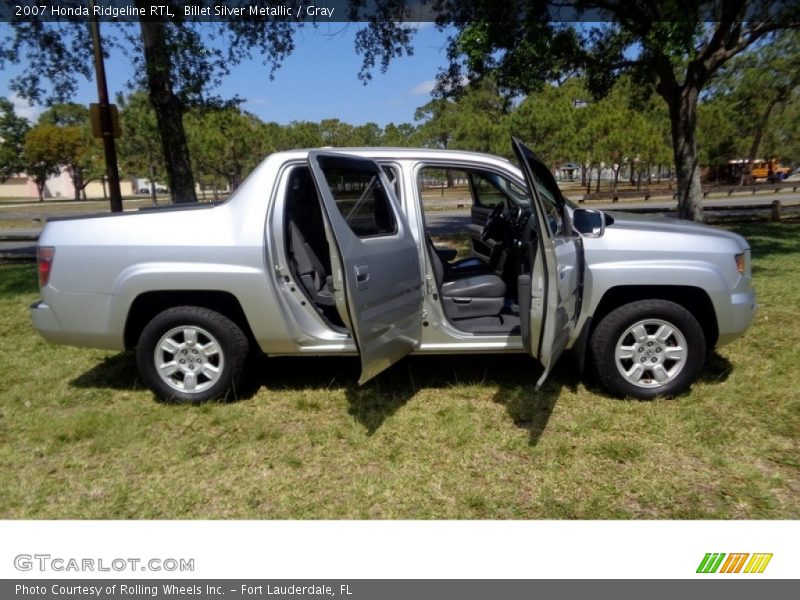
x=45, y=322
x=740, y=315
x=79, y=332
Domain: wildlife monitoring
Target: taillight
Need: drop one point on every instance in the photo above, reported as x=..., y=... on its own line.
x=44, y=258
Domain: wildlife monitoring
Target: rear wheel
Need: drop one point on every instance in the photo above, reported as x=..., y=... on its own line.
x=648, y=348
x=192, y=354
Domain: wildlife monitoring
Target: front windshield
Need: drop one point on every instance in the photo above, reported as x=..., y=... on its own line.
x=511, y=190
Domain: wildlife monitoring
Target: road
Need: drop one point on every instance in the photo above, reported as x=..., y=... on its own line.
x=456, y=221
x=443, y=222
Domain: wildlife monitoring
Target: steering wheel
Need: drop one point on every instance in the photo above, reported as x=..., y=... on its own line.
x=494, y=216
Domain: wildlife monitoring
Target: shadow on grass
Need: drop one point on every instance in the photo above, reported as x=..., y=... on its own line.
x=119, y=372
x=717, y=369
x=530, y=409
x=116, y=372
x=766, y=239
x=18, y=279
x=513, y=375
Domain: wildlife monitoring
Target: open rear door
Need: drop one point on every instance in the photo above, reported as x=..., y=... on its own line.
x=556, y=269
x=377, y=282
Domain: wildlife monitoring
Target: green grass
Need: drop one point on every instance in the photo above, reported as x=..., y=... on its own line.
x=440, y=437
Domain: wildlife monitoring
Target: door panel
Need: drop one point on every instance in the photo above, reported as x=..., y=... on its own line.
x=556, y=267
x=376, y=275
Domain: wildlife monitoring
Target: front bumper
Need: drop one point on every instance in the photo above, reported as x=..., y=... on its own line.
x=740, y=315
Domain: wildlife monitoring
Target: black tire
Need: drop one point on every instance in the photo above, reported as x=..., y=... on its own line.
x=648, y=313
x=232, y=349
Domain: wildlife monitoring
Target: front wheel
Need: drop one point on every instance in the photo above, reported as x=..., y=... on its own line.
x=191, y=354
x=648, y=348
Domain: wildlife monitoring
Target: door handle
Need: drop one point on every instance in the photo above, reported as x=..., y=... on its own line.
x=362, y=276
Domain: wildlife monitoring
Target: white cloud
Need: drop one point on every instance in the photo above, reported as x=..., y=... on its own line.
x=23, y=109
x=423, y=88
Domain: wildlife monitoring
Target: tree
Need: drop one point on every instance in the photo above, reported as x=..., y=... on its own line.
x=477, y=119
x=225, y=143
x=674, y=47
x=139, y=147
x=303, y=134
x=402, y=135
x=439, y=120
x=43, y=154
x=174, y=60
x=13, y=129
x=759, y=84
x=548, y=120
x=80, y=152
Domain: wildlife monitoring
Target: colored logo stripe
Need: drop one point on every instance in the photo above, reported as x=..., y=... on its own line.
x=710, y=562
x=733, y=564
x=758, y=563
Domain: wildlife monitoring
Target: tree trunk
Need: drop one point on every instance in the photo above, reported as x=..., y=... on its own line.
x=583, y=174
x=77, y=181
x=597, y=187
x=616, y=178
x=683, y=121
x=152, y=173
x=168, y=109
x=747, y=169
x=40, y=188
x=589, y=180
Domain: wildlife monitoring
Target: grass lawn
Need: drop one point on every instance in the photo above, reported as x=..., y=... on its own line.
x=448, y=437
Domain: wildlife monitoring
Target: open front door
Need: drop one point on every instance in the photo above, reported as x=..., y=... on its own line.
x=556, y=267
x=377, y=283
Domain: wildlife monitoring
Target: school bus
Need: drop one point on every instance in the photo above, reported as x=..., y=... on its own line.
x=761, y=169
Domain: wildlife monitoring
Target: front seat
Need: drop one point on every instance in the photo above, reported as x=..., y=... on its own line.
x=470, y=294
x=472, y=266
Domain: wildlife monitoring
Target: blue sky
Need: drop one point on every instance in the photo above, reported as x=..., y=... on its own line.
x=318, y=80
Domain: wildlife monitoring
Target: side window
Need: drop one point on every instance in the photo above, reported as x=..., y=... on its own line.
x=461, y=187
x=361, y=200
x=485, y=192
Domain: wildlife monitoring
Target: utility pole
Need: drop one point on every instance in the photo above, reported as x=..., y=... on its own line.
x=106, y=122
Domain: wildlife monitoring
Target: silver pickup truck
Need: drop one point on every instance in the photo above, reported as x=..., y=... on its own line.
x=327, y=251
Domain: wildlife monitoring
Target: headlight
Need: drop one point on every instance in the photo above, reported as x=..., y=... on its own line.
x=740, y=263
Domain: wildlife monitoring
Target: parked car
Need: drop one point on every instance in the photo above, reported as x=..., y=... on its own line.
x=326, y=252
x=160, y=189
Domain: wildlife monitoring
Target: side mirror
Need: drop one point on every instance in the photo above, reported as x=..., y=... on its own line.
x=589, y=222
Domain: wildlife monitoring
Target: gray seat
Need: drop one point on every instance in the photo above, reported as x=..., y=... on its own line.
x=475, y=286
x=454, y=268
x=466, y=293
x=307, y=245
